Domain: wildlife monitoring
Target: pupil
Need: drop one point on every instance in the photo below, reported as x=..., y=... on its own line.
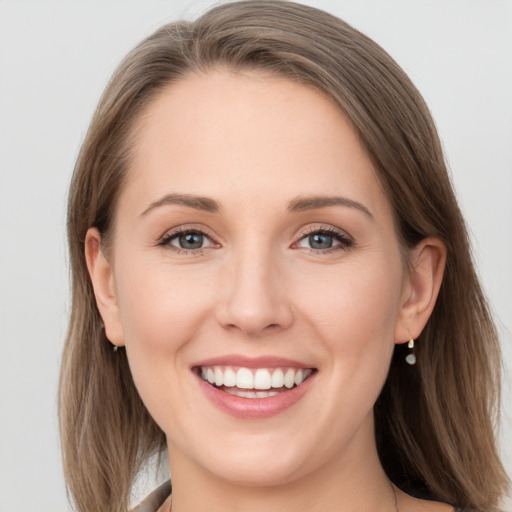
x=191, y=241
x=319, y=241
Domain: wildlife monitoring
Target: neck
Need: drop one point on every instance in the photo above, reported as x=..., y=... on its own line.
x=348, y=482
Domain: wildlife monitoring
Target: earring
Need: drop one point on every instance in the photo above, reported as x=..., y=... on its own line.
x=410, y=358
x=115, y=348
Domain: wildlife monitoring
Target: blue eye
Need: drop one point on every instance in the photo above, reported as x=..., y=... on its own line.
x=325, y=240
x=188, y=240
x=320, y=241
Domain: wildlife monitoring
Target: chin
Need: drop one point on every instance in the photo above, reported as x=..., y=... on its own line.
x=268, y=473
x=259, y=465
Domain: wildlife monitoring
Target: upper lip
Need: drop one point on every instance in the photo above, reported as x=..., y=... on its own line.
x=251, y=362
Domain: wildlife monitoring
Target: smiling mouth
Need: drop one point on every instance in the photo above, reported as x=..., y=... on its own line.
x=253, y=382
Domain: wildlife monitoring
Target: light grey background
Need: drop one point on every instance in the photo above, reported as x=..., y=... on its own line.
x=55, y=58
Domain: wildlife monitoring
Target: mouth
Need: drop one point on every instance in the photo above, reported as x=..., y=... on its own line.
x=253, y=383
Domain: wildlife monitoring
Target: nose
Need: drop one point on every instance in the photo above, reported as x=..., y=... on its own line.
x=255, y=300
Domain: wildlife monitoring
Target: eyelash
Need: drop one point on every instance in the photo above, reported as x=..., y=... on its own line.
x=345, y=242
x=165, y=241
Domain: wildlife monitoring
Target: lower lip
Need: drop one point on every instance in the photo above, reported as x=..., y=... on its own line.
x=255, y=408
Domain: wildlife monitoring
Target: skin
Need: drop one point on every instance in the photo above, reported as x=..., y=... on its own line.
x=253, y=143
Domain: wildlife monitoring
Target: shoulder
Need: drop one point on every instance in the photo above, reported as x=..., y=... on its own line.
x=431, y=506
x=156, y=499
x=411, y=504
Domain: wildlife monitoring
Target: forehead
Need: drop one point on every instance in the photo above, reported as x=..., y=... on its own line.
x=250, y=133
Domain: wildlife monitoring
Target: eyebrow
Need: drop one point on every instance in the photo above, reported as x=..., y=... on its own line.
x=189, y=200
x=300, y=204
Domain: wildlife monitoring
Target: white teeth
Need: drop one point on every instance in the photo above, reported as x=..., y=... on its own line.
x=229, y=378
x=244, y=379
x=262, y=379
x=265, y=394
x=219, y=377
x=278, y=379
x=289, y=378
x=250, y=393
x=254, y=379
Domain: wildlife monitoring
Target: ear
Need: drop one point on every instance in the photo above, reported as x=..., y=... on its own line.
x=427, y=261
x=101, y=273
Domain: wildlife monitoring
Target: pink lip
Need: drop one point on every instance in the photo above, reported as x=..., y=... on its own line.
x=254, y=408
x=251, y=362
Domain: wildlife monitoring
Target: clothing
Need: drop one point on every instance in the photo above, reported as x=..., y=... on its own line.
x=155, y=500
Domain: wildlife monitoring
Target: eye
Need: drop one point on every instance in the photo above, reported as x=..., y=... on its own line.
x=319, y=241
x=325, y=240
x=187, y=240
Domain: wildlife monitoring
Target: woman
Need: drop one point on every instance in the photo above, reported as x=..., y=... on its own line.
x=262, y=227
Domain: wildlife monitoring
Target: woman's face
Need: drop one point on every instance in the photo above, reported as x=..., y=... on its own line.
x=254, y=246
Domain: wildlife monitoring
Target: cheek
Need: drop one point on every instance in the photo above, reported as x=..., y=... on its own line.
x=352, y=314
x=161, y=310
x=160, y=304
x=352, y=319
x=358, y=302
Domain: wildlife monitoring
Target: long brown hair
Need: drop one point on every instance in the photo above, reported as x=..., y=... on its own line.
x=434, y=422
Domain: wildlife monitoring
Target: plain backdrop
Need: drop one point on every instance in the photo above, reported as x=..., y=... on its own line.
x=56, y=57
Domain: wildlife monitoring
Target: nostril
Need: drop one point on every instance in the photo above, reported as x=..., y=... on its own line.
x=268, y=327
